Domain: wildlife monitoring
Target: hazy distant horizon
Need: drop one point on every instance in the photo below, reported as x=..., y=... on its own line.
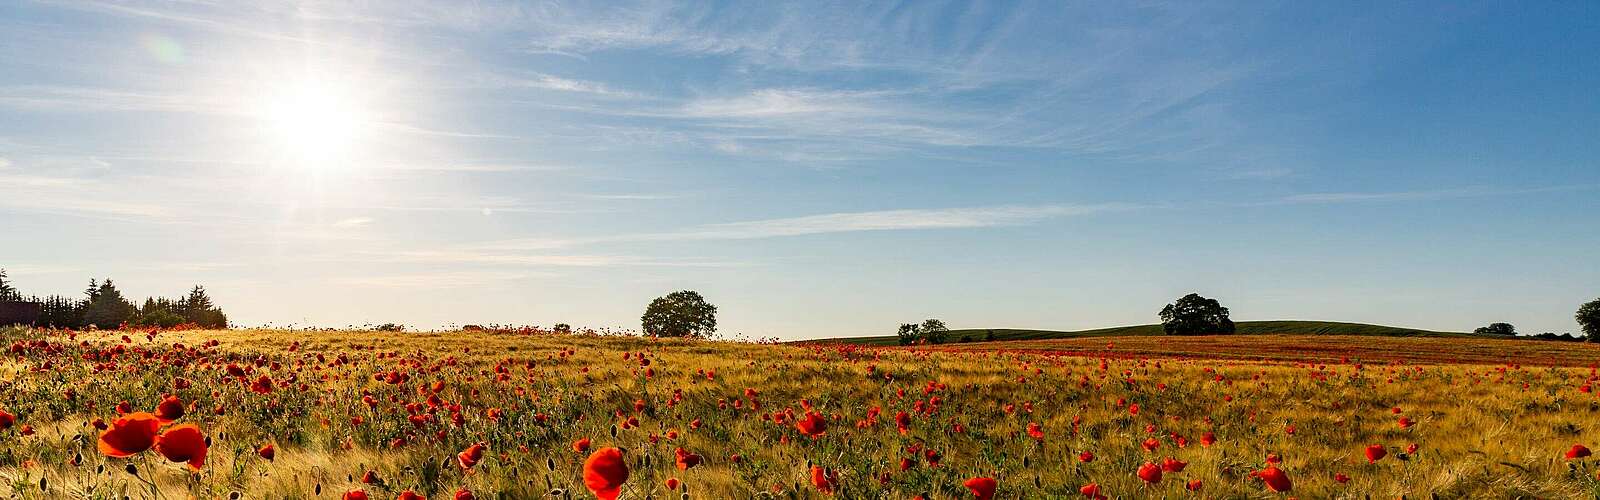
x=813, y=171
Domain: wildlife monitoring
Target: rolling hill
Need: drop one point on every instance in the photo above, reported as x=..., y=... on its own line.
x=1288, y=327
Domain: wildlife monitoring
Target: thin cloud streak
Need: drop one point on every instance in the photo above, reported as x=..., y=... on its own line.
x=1426, y=195
x=844, y=222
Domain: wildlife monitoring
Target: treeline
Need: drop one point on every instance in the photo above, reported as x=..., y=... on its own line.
x=104, y=306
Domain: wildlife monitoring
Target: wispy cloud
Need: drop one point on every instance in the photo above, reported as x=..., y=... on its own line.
x=353, y=222
x=79, y=98
x=440, y=280
x=889, y=220
x=1426, y=195
x=843, y=222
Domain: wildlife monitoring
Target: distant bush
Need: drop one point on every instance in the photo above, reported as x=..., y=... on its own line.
x=1567, y=337
x=1496, y=329
x=909, y=333
x=934, y=331
x=390, y=327
x=562, y=328
x=930, y=331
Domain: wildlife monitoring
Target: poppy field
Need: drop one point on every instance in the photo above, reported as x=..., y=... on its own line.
x=533, y=414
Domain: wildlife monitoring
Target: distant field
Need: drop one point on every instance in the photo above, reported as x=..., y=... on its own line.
x=1242, y=328
x=1321, y=349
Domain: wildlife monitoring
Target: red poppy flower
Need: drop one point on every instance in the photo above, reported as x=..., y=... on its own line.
x=1086, y=456
x=7, y=420
x=262, y=385
x=1091, y=490
x=1376, y=452
x=685, y=459
x=825, y=480
x=604, y=472
x=1150, y=444
x=1578, y=451
x=355, y=495
x=1341, y=478
x=1173, y=465
x=672, y=483
x=267, y=452
x=581, y=445
x=463, y=494
x=1036, y=432
x=1150, y=472
x=470, y=456
x=183, y=443
x=982, y=487
x=1276, y=479
x=371, y=477
x=1411, y=449
x=813, y=425
x=1195, y=485
x=170, y=409
x=411, y=495
x=1208, y=438
x=129, y=434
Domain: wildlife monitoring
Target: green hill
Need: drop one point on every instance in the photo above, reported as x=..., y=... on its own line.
x=1241, y=328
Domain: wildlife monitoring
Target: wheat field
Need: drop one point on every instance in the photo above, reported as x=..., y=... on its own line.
x=486, y=414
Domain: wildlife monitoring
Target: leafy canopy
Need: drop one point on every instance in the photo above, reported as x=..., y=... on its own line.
x=680, y=314
x=1195, y=315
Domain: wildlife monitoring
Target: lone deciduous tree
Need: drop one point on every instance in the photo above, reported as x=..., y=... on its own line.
x=680, y=314
x=909, y=333
x=935, y=331
x=1195, y=315
x=1589, y=318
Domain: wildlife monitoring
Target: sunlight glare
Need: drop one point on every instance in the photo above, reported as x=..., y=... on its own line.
x=315, y=124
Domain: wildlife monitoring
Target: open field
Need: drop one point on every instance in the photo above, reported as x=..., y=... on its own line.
x=883, y=423
x=1320, y=349
x=1285, y=327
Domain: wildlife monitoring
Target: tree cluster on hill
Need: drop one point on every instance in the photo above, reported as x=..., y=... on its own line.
x=1496, y=329
x=930, y=331
x=104, y=306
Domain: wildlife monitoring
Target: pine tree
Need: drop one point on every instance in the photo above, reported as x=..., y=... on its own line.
x=7, y=292
x=107, y=308
x=198, y=300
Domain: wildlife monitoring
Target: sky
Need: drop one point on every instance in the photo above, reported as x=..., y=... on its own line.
x=814, y=169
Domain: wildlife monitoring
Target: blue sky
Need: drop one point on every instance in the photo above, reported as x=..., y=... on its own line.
x=815, y=169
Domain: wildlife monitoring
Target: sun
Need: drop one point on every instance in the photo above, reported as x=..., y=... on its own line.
x=314, y=124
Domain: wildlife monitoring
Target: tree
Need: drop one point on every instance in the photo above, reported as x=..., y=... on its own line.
x=1589, y=319
x=197, y=308
x=1496, y=329
x=935, y=331
x=7, y=292
x=680, y=314
x=1195, y=315
x=909, y=333
x=107, y=308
